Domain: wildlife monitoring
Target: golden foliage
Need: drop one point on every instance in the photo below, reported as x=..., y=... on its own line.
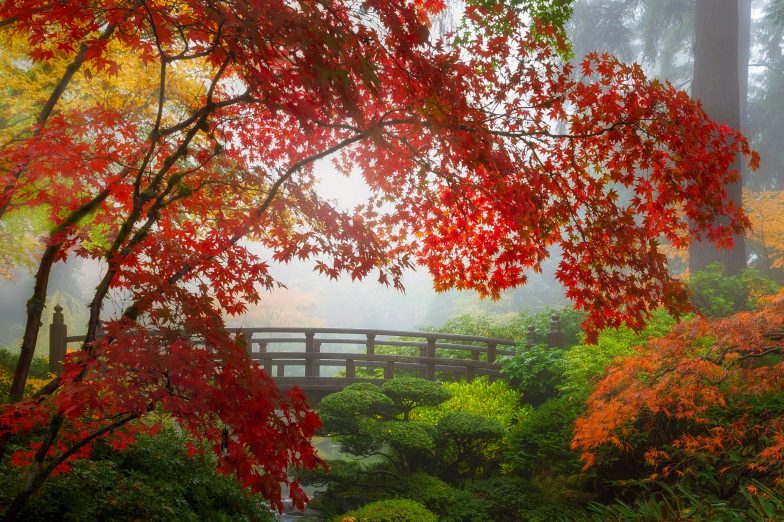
x=766, y=237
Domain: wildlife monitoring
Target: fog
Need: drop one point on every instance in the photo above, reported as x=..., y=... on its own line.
x=308, y=298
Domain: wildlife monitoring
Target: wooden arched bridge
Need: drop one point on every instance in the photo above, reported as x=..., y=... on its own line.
x=324, y=360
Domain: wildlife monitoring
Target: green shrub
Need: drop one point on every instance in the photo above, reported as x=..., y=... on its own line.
x=39, y=374
x=39, y=368
x=404, y=436
x=513, y=499
x=717, y=295
x=536, y=373
x=584, y=364
x=678, y=503
x=542, y=440
x=469, y=428
x=411, y=392
x=463, y=437
x=516, y=327
x=396, y=510
x=448, y=503
x=554, y=512
x=154, y=479
x=496, y=400
x=569, y=319
x=507, y=497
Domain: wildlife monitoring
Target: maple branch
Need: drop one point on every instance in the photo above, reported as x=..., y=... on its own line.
x=133, y=311
x=211, y=49
x=38, y=474
x=139, y=200
x=184, y=124
x=765, y=351
x=548, y=134
x=94, y=435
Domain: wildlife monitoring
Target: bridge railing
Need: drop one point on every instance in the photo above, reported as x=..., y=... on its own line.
x=305, y=351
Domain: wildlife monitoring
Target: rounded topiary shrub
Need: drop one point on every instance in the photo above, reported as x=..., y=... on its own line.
x=399, y=510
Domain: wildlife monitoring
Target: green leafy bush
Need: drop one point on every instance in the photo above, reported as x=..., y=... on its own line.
x=513, y=499
x=507, y=497
x=542, y=440
x=717, y=295
x=496, y=400
x=405, y=436
x=463, y=438
x=395, y=510
x=39, y=373
x=585, y=364
x=39, y=368
x=448, y=503
x=678, y=503
x=154, y=479
x=516, y=327
x=536, y=373
x=411, y=392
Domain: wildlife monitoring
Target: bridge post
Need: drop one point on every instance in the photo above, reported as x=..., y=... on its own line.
x=350, y=368
x=264, y=360
x=470, y=369
x=371, y=344
x=555, y=336
x=430, y=352
x=310, y=348
x=317, y=362
x=389, y=370
x=491, y=352
x=530, y=337
x=58, y=331
x=244, y=340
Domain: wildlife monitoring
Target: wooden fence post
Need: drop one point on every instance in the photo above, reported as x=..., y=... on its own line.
x=58, y=331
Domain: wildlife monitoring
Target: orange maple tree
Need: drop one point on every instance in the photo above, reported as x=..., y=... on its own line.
x=766, y=236
x=482, y=150
x=706, y=397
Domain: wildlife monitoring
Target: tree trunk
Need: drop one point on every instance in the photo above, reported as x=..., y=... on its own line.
x=719, y=84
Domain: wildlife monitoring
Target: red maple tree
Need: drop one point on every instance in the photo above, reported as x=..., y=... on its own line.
x=483, y=151
x=706, y=398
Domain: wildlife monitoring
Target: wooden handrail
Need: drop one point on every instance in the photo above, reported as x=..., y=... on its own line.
x=377, y=333
x=480, y=353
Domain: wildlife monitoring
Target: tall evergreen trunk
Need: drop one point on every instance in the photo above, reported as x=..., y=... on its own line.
x=721, y=47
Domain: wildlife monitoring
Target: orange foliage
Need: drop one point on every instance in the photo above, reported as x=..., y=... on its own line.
x=765, y=238
x=767, y=234
x=709, y=392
